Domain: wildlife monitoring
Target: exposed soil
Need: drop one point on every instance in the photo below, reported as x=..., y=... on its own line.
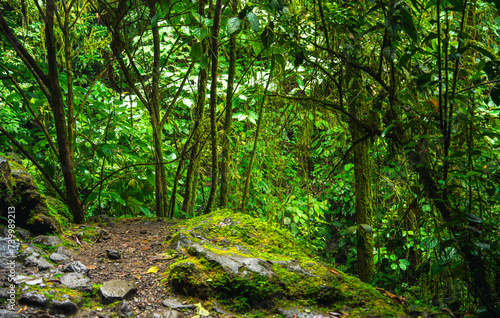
x=139, y=243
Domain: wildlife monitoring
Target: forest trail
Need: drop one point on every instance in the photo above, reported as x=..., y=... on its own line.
x=139, y=245
x=125, y=249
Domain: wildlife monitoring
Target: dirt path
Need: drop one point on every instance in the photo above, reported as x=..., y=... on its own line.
x=139, y=243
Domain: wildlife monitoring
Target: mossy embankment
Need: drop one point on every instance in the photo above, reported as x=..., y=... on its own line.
x=248, y=265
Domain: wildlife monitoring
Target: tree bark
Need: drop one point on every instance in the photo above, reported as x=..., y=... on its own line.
x=362, y=179
x=213, y=104
x=226, y=146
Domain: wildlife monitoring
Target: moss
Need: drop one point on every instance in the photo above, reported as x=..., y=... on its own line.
x=296, y=280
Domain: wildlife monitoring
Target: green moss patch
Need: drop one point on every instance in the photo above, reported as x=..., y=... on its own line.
x=248, y=265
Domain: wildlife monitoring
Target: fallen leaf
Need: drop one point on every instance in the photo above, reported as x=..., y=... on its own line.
x=336, y=272
x=137, y=276
x=153, y=269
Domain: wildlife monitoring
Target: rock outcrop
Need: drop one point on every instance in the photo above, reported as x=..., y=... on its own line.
x=18, y=193
x=246, y=264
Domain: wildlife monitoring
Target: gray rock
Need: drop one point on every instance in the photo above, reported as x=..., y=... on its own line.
x=113, y=254
x=47, y=240
x=174, y=303
x=233, y=263
x=30, y=250
x=58, y=258
x=8, y=251
x=76, y=267
x=123, y=309
x=28, y=280
x=36, y=261
x=114, y=290
x=66, y=251
x=77, y=281
x=166, y=314
x=4, y=293
x=34, y=299
x=23, y=234
x=8, y=314
x=64, y=306
x=301, y=313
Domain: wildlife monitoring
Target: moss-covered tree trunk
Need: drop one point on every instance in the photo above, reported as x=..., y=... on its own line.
x=213, y=103
x=362, y=176
x=192, y=171
x=224, y=178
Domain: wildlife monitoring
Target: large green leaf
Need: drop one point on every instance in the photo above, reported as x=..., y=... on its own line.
x=254, y=21
x=233, y=25
x=199, y=34
x=196, y=51
x=407, y=24
x=267, y=37
x=495, y=94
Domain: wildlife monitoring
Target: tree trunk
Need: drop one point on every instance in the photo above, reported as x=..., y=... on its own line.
x=191, y=178
x=213, y=103
x=160, y=176
x=226, y=146
x=362, y=179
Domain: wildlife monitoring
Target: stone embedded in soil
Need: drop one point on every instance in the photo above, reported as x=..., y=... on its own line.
x=166, y=314
x=65, y=251
x=36, y=261
x=77, y=281
x=123, y=309
x=33, y=298
x=58, y=258
x=28, y=280
x=8, y=251
x=114, y=290
x=30, y=249
x=113, y=254
x=76, y=267
x=8, y=314
x=23, y=234
x=47, y=240
x=174, y=303
x=65, y=307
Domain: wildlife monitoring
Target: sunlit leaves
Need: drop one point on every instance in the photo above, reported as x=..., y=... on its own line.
x=233, y=25
x=200, y=34
x=254, y=21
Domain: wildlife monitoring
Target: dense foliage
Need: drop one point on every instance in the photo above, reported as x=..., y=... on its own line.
x=370, y=129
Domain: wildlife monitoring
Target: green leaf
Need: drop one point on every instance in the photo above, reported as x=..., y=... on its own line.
x=351, y=229
x=196, y=51
x=366, y=227
x=199, y=34
x=233, y=25
x=394, y=266
x=281, y=61
x=429, y=243
x=267, y=37
x=402, y=266
x=482, y=245
x=407, y=24
x=473, y=218
x=254, y=21
x=150, y=176
x=276, y=4
x=438, y=267
x=155, y=19
x=386, y=130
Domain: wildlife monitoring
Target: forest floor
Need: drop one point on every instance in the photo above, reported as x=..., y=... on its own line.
x=139, y=243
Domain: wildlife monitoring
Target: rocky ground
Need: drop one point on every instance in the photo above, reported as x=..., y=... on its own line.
x=127, y=253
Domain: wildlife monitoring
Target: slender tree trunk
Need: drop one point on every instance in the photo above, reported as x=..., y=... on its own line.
x=213, y=103
x=57, y=105
x=191, y=178
x=363, y=185
x=160, y=176
x=226, y=145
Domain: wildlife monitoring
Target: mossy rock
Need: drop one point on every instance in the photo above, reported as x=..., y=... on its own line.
x=33, y=211
x=245, y=264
